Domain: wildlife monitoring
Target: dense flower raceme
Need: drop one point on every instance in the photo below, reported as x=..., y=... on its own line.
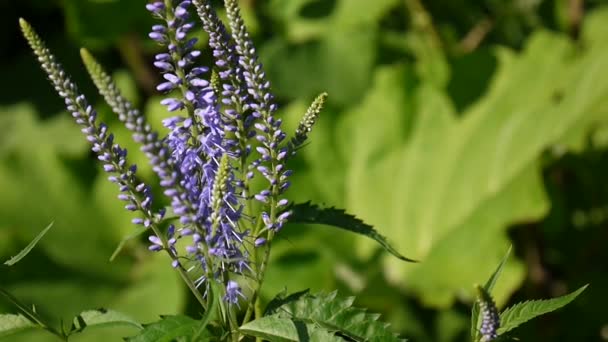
x=223, y=131
x=221, y=121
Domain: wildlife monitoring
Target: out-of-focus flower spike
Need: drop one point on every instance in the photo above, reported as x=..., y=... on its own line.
x=308, y=121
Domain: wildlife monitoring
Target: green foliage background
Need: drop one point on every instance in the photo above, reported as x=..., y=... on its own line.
x=456, y=128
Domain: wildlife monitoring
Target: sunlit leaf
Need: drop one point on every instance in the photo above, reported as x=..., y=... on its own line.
x=11, y=324
x=520, y=313
x=313, y=214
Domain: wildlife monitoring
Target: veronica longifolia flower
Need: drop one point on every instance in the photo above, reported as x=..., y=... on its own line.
x=218, y=119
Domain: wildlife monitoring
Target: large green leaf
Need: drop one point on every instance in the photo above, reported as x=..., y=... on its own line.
x=12, y=324
x=168, y=328
x=280, y=329
x=345, y=15
x=35, y=179
x=336, y=314
x=459, y=182
x=520, y=313
x=102, y=317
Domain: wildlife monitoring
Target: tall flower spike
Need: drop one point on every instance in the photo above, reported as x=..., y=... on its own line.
x=490, y=320
x=195, y=96
x=234, y=91
x=308, y=121
x=134, y=120
x=137, y=196
x=155, y=149
x=268, y=129
x=200, y=148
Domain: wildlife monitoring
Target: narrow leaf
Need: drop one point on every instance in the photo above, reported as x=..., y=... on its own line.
x=520, y=313
x=167, y=329
x=102, y=317
x=28, y=248
x=211, y=312
x=313, y=214
x=11, y=324
x=121, y=245
x=475, y=314
x=280, y=329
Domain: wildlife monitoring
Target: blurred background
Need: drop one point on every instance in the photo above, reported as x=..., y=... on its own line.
x=456, y=127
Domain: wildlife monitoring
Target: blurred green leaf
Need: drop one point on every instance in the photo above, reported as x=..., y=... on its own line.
x=102, y=317
x=37, y=180
x=341, y=64
x=11, y=324
x=453, y=183
x=87, y=20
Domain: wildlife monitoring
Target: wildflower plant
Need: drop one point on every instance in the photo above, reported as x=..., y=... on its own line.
x=218, y=231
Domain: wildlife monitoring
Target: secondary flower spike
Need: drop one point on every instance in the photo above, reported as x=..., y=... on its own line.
x=137, y=196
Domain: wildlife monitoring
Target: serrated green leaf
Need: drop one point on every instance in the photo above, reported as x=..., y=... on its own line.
x=313, y=214
x=28, y=248
x=475, y=314
x=167, y=329
x=280, y=329
x=12, y=324
x=520, y=313
x=336, y=314
x=280, y=300
x=102, y=317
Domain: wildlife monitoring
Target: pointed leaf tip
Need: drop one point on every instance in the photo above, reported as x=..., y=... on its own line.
x=313, y=214
x=29, y=247
x=523, y=312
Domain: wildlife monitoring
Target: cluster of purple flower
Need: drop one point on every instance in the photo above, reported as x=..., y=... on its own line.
x=212, y=136
x=223, y=131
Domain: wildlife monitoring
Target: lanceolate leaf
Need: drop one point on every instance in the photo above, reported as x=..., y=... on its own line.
x=475, y=315
x=336, y=314
x=520, y=313
x=11, y=324
x=169, y=328
x=280, y=329
x=102, y=317
x=28, y=248
x=211, y=313
x=313, y=214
